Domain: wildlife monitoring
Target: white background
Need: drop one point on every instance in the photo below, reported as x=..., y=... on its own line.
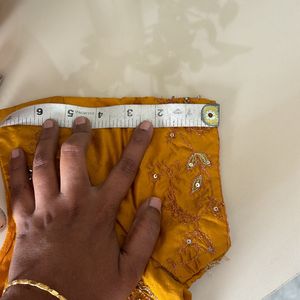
x=244, y=54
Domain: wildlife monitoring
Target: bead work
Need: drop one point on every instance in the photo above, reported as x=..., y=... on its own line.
x=142, y=292
x=195, y=158
x=197, y=184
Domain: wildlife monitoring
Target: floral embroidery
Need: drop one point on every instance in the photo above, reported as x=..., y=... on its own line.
x=177, y=211
x=195, y=242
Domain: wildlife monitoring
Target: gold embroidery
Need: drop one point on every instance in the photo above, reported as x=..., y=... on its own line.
x=197, y=183
x=142, y=292
x=195, y=242
x=193, y=160
x=177, y=211
x=203, y=158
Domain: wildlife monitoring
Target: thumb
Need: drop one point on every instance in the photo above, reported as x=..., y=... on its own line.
x=140, y=241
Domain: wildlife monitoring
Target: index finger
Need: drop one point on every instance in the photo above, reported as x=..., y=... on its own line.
x=123, y=174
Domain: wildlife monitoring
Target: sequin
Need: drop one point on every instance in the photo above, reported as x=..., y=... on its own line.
x=155, y=176
x=188, y=241
x=197, y=184
x=216, y=209
x=191, y=162
x=172, y=134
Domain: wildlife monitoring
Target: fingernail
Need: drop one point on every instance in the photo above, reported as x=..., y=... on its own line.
x=80, y=120
x=15, y=153
x=145, y=125
x=48, y=124
x=156, y=203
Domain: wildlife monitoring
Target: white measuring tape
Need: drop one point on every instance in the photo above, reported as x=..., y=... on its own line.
x=119, y=116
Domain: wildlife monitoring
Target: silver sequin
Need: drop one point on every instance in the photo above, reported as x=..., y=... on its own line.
x=155, y=176
x=191, y=162
x=172, y=134
x=197, y=183
x=216, y=209
x=188, y=241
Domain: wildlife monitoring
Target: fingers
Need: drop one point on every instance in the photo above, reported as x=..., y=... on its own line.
x=73, y=168
x=44, y=176
x=22, y=198
x=141, y=240
x=122, y=175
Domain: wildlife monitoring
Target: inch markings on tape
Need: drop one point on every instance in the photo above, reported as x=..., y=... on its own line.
x=119, y=116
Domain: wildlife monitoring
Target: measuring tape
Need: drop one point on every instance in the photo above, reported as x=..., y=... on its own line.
x=119, y=116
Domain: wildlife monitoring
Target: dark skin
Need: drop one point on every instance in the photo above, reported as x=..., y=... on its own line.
x=66, y=235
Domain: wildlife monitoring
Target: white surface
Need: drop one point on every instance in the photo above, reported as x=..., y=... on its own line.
x=245, y=54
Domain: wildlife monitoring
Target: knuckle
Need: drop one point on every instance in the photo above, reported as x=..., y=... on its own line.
x=70, y=148
x=150, y=225
x=128, y=166
x=41, y=160
x=15, y=166
x=139, y=137
x=16, y=189
x=23, y=227
x=74, y=211
x=46, y=134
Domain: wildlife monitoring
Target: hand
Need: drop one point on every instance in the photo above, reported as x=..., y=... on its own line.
x=66, y=233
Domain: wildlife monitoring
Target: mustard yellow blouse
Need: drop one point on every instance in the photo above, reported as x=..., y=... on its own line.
x=181, y=166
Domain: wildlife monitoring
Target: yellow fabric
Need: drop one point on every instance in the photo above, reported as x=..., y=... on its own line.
x=194, y=230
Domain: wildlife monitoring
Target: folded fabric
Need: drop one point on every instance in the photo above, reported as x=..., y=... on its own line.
x=181, y=166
